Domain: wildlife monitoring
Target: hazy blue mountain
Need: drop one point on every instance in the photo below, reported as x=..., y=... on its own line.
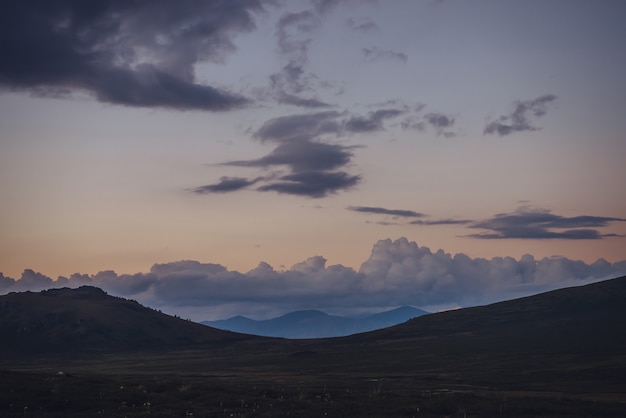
x=315, y=324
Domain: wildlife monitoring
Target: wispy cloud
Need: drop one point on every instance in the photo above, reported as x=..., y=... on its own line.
x=374, y=54
x=361, y=25
x=294, y=84
x=227, y=185
x=383, y=211
x=373, y=121
x=522, y=117
x=442, y=222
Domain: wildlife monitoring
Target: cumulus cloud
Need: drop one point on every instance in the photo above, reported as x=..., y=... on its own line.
x=375, y=54
x=396, y=273
x=138, y=53
x=537, y=223
x=521, y=117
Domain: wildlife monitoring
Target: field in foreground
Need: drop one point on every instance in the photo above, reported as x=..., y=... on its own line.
x=49, y=395
x=558, y=354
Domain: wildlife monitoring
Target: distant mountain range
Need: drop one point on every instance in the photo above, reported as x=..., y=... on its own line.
x=315, y=324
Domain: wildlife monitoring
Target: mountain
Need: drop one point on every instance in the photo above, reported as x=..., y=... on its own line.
x=315, y=324
x=87, y=319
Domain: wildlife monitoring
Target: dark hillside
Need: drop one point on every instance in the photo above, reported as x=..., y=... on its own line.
x=88, y=320
x=565, y=339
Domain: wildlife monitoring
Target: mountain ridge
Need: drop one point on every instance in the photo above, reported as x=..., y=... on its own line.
x=315, y=324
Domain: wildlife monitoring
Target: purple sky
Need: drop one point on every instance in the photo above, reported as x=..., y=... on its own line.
x=243, y=132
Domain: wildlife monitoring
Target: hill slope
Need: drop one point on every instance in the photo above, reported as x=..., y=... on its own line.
x=560, y=338
x=315, y=324
x=87, y=319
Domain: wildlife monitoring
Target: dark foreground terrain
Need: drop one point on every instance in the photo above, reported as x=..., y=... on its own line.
x=558, y=354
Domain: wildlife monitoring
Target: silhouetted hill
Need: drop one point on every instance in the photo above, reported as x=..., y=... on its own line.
x=87, y=319
x=315, y=324
x=565, y=339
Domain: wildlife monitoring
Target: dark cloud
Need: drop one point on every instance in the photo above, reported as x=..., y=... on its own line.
x=303, y=156
x=374, y=121
x=227, y=184
x=526, y=223
x=375, y=53
x=314, y=184
x=397, y=273
x=521, y=118
x=139, y=53
x=301, y=127
x=382, y=211
x=314, y=164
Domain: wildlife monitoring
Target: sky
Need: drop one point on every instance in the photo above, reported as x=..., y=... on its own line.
x=215, y=158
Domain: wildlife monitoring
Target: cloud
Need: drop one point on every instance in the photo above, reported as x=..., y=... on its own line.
x=139, y=53
x=521, y=118
x=440, y=123
x=300, y=127
x=396, y=273
x=362, y=25
x=528, y=223
x=313, y=183
x=314, y=164
x=292, y=99
x=303, y=146
x=375, y=54
x=404, y=213
x=382, y=211
x=293, y=39
x=227, y=184
x=374, y=121
x=442, y=222
x=303, y=156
